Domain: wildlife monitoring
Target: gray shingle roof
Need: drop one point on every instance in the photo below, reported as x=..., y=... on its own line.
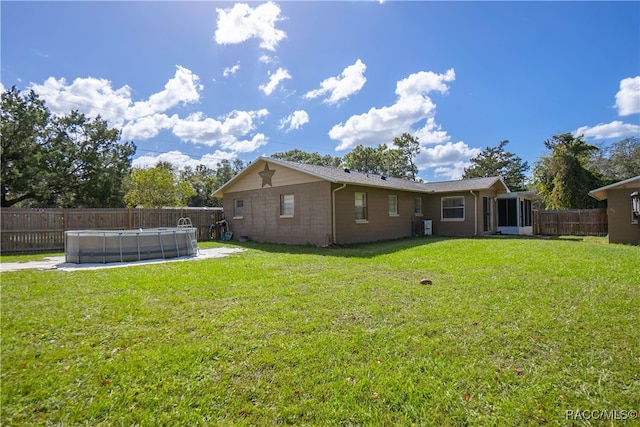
x=371, y=180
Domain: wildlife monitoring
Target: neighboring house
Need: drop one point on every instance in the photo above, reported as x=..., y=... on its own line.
x=280, y=201
x=623, y=210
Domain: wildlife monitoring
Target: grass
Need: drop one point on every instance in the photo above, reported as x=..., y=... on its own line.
x=512, y=332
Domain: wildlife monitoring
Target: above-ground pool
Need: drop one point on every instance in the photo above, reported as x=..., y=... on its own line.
x=102, y=246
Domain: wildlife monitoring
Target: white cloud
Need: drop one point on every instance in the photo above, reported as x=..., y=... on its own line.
x=295, y=120
x=147, y=127
x=453, y=171
x=241, y=22
x=181, y=160
x=266, y=59
x=89, y=95
x=350, y=81
x=628, y=97
x=274, y=80
x=229, y=71
x=247, y=145
x=183, y=88
x=381, y=125
x=209, y=131
x=615, y=129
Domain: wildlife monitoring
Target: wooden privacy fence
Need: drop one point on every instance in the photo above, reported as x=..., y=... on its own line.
x=575, y=222
x=39, y=230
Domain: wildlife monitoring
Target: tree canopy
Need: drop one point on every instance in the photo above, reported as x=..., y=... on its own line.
x=562, y=178
x=396, y=162
x=300, y=156
x=157, y=187
x=618, y=161
x=495, y=161
x=59, y=161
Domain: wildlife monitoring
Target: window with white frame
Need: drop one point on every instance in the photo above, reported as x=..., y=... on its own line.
x=635, y=207
x=361, y=206
x=393, y=205
x=287, y=205
x=453, y=208
x=238, y=208
x=417, y=206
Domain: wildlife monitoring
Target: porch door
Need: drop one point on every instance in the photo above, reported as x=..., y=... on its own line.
x=487, y=223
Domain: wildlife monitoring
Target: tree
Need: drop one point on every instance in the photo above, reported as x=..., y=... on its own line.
x=619, y=161
x=202, y=180
x=495, y=161
x=562, y=178
x=300, y=156
x=87, y=162
x=366, y=159
x=23, y=126
x=157, y=187
x=67, y=161
x=395, y=162
x=409, y=149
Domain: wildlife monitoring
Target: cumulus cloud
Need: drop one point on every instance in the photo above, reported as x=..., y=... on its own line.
x=413, y=107
x=89, y=95
x=339, y=88
x=274, y=80
x=628, y=97
x=615, y=129
x=380, y=125
x=148, y=127
x=181, y=160
x=229, y=71
x=241, y=23
x=183, y=88
x=206, y=130
x=294, y=121
x=146, y=119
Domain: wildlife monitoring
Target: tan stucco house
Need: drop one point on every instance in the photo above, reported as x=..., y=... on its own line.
x=623, y=210
x=280, y=201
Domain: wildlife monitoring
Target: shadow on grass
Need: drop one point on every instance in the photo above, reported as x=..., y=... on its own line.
x=355, y=250
x=372, y=249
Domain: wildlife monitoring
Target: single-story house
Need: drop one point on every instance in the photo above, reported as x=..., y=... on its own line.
x=280, y=201
x=623, y=210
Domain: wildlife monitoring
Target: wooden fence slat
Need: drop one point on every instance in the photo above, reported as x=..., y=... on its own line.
x=576, y=222
x=40, y=230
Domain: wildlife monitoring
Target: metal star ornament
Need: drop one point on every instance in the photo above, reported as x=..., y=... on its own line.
x=266, y=175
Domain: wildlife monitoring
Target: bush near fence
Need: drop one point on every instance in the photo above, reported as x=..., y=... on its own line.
x=42, y=230
x=574, y=222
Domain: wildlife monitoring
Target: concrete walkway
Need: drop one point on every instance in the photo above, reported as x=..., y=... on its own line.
x=58, y=263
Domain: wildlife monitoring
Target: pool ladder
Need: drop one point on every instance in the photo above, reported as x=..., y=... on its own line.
x=186, y=223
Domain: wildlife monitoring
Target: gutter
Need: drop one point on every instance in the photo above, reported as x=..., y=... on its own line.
x=333, y=212
x=475, y=213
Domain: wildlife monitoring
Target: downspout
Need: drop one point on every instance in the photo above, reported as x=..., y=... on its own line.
x=333, y=212
x=475, y=213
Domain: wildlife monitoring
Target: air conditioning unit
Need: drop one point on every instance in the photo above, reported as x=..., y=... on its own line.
x=427, y=226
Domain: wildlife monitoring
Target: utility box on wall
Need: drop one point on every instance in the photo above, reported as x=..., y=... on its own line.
x=427, y=226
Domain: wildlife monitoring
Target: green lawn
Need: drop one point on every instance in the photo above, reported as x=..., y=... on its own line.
x=513, y=331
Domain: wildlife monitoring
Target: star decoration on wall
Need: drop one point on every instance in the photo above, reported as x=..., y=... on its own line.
x=266, y=175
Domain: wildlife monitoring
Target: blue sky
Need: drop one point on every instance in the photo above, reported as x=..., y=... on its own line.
x=198, y=82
